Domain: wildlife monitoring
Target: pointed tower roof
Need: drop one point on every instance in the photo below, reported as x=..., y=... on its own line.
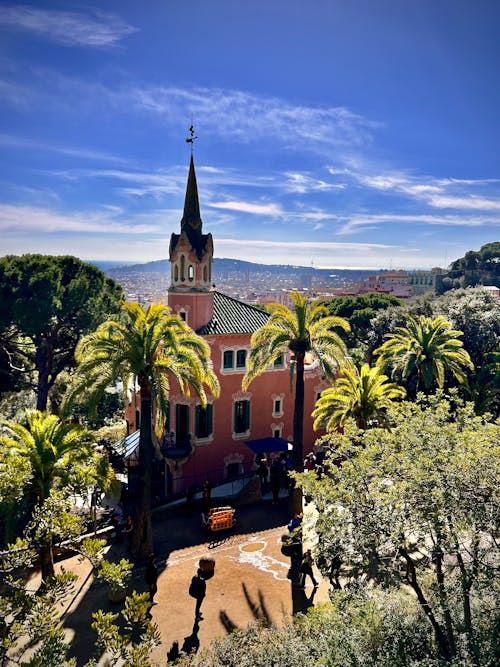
x=191, y=223
x=191, y=218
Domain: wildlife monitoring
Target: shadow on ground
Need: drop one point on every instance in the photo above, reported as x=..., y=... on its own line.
x=174, y=528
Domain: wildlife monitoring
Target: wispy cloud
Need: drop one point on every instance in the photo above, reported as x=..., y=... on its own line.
x=92, y=29
x=460, y=194
x=84, y=153
x=301, y=183
x=361, y=222
x=248, y=207
x=27, y=219
x=226, y=115
x=245, y=117
x=475, y=203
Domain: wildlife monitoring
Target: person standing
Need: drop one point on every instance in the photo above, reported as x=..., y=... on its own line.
x=151, y=577
x=275, y=480
x=206, y=492
x=306, y=569
x=197, y=590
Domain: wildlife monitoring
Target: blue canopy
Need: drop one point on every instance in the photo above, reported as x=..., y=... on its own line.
x=262, y=445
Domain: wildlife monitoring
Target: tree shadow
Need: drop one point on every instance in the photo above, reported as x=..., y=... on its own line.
x=174, y=528
x=257, y=607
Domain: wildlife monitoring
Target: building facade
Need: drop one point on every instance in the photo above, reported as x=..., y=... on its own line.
x=210, y=443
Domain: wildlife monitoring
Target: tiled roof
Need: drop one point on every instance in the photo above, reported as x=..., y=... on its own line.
x=233, y=317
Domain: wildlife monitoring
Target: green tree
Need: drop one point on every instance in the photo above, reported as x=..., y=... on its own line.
x=359, y=311
x=426, y=348
x=418, y=505
x=306, y=329
x=360, y=395
x=476, y=313
x=51, y=454
x=48, y=302
x=146, y=348
x=480, y=267
x=31, y=628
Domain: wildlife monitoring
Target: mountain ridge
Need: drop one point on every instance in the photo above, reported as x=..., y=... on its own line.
x=225, y=265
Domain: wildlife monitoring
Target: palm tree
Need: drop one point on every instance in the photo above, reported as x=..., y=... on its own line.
x=48, y=447
x=306, y=329
x=360, y=395
x=427, y=348
x=146, y=348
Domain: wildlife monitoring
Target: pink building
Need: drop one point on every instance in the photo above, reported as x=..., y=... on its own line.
x=211, y=442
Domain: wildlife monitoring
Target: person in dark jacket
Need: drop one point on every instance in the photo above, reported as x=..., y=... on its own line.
x=197, y=590
x=151, y=577
x=306, y=569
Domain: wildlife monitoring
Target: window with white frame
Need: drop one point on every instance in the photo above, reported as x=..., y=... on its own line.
x=234, y=360
x=277, y=404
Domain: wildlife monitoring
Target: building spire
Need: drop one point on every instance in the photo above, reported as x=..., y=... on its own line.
x=191, y=219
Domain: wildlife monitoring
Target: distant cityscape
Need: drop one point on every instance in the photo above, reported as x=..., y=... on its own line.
x=261, y=284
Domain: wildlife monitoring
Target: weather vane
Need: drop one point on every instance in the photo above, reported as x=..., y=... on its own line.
x=192, y=137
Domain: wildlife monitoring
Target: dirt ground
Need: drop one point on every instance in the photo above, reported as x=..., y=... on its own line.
x=251, y=579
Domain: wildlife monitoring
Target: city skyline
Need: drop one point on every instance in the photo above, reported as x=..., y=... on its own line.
x=341, y=134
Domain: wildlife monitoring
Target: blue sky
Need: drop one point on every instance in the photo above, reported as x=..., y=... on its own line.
x=343, y=133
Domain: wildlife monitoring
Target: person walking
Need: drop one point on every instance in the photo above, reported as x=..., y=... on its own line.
x=306, y=569
x=197, y=590
x=151, y=577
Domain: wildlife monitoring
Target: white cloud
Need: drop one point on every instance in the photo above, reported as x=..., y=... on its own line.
x=27, y=219
x=361, y=222
x=248, y=207
x=476, y=203
x=226, y=115
x=69, y=28
x=301, y=183
x=242, y=116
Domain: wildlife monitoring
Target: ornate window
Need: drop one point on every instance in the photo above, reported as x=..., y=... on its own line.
x=277, y=400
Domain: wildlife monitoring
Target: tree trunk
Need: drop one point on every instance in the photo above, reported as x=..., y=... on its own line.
x=142, y=532
x=442, y=594
x=46, y=562
x=42, y=365
x=298, y=431
x=441, y=640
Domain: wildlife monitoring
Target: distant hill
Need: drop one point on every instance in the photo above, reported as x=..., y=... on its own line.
x=223, y=266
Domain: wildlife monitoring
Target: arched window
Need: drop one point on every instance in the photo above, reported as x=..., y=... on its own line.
x=191, y=273
x=176, y=273
x=204, y=274
x=183, y=268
